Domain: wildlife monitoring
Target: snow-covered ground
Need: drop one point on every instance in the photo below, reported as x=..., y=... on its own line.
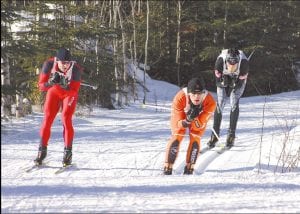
x=119, y=155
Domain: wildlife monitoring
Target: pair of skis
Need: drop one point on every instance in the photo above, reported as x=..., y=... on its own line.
x=44, y=165
x=218, y=150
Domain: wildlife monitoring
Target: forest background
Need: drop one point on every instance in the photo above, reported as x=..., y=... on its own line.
x=171, y=40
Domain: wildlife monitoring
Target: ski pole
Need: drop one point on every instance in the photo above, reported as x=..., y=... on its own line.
x=155, y=106
x=213, y=130
x=265, y=31
x=88, y=85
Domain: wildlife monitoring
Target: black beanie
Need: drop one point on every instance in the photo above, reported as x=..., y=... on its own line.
x=195, y=85
x=63, y=55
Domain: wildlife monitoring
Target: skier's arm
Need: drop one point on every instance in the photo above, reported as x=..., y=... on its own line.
x=244, y=69
x=44, y=76
x=219, y=72
x=209, y=106
x=178, y=115
x=74, y=85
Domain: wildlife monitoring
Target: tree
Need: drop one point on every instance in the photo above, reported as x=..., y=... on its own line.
x=146, y=51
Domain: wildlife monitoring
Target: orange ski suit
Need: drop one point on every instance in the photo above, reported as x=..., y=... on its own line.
x=181, y=105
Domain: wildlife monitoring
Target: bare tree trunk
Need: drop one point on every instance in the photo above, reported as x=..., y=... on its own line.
x=178, y=42
x=37, y=20
x=134, y=59
x=168, y=32
x=19, y=106
x=116, y=4
x=225, y=24
x=5, y=81
x=215, y=37
x=86, y=2
x=146, y=52
x=125, y=74
x=139, y=6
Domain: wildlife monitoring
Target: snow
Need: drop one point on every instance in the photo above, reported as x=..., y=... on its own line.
x=119, y=155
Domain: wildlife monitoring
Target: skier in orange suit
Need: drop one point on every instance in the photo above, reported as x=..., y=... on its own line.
x=192, y=107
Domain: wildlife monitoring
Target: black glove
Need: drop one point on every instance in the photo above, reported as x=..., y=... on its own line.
x=192, y=113
x=222, y=81
x=55, y=79
x=63, y=82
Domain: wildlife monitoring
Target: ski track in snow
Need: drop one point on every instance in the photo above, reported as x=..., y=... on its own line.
x=119, y=156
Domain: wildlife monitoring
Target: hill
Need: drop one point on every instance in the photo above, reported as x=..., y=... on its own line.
x=119, y=156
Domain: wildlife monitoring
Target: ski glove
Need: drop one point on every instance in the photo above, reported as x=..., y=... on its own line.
x=58, y=79
x=185, y=123
x=192, y=113
x=54, y=79
x=63, y=83
x=222, y=81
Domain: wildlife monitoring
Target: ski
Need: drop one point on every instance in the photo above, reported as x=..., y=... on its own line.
x=64, y=168
x=35, y=167
x=180, y=167
x=207, y=160
x=222, y=149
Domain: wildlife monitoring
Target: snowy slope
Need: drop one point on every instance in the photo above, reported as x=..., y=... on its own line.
x=119, y=156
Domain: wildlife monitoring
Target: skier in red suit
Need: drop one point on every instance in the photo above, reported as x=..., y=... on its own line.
x=60, y=78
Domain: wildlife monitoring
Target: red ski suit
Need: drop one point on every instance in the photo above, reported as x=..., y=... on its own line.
x=56, y=97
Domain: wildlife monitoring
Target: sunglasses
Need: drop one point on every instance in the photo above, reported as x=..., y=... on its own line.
x=232, y=61
x=198, y=92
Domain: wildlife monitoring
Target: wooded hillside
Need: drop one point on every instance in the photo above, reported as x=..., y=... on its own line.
x=176, y=39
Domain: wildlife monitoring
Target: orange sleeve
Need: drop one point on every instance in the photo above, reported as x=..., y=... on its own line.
x=208, y=108
x=177, y=113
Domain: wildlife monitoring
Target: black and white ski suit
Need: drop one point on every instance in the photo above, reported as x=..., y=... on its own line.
x=229, y=84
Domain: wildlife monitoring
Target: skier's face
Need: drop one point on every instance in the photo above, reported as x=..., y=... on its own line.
x=231, y=67
x=196, y=97
x=63, y=65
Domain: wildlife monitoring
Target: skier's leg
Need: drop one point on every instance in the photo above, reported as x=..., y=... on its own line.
x=69, y=106
x=172, y=150
x=192, y=152
x=234, y=113
x=51, y=107
x=42, y=153
x=173, y=145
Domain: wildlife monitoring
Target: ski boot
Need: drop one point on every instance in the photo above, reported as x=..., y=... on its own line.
x=167, y=170
x=67, y=159
x=230, y=140
x=41, y=155
x=212, y=142
x=188, y=170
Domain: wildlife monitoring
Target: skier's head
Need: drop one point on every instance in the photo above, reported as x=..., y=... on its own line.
x=63, y=54
x=63, y=57
x=196, y=90
x=232, y=59
x=195, y=85
x=232, y=56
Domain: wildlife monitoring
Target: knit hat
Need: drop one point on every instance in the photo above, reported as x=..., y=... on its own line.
x=195, y=85
x=232, y=56
x=63, y=55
